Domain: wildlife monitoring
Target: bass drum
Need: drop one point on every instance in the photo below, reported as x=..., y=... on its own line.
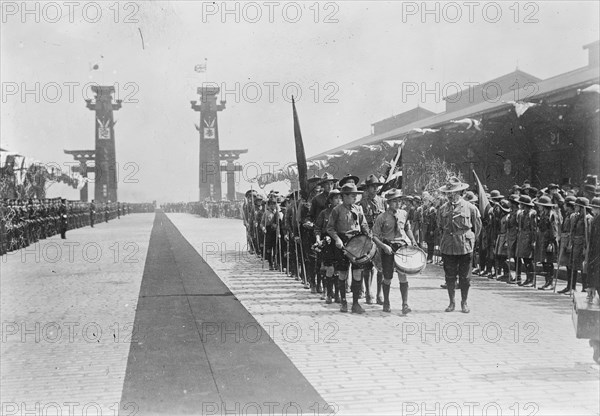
x=410, y=260
x=360, y=249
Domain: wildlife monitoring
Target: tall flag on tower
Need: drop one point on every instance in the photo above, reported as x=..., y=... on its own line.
x=300, y=155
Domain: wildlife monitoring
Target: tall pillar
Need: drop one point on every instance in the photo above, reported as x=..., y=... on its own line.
x=210, y=172
x=82, y=156
x=105, y=181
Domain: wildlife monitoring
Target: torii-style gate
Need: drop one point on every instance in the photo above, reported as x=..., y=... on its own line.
x=83, y=156
x=230, y=168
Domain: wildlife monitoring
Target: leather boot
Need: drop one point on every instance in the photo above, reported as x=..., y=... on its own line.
x=450, y=288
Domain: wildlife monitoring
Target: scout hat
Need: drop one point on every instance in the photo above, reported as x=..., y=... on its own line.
x=595, y=202
x=590, y=183
x=471, y=197
x=545, y=201
x=453, y=185
x=496, y=195
x=582, y=202
x=372, y=180
x=327, y=177
x=333, y=193
x=552, y=186
x=393, y=194
x=347, y=178
x=525, y=200
x=505, y=205
x=570, y=199
x=350, y=188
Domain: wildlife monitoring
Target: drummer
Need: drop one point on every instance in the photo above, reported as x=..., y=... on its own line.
x=390, y=232
x=345, y=221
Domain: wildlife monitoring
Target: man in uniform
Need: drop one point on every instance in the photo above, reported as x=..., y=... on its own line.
x=372, y=205
x=92, y=213
x=526, y=238
x=347, y=220
x=460, y=223
x=547, y=236
x=512, y=234
x=580, y=227
x=324, y=242
x=564, y=252
x=390, y=232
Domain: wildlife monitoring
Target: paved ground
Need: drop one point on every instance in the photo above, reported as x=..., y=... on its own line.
x=515, y=353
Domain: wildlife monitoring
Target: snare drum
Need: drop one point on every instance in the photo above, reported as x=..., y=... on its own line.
x=410, y=260
x=360, y=249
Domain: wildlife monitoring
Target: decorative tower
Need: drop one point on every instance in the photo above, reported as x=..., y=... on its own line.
x=105, y=181
x=210, y=172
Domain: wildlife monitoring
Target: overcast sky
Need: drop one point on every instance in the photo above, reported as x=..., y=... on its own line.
x=351, y=61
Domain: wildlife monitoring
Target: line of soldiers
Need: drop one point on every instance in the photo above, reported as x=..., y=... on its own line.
x=552, y=226
x=26, y=222
x=207, y=209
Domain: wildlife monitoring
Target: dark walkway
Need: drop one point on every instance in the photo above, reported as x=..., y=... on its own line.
x=196, y=349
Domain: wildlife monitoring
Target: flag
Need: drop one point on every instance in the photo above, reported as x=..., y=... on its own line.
x=300, y=155
x=394, y=176
x=201, y=67
x=484, y=203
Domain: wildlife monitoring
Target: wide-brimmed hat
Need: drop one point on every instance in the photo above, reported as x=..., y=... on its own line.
x=516, y=187
x=417, y=198
x=545, y=201
x=333, y=193
x=570, y=199
x=313, y=181
x=553, y=186
x=350, y=188
x=582, y=202
x=372, y=180
x=595, y=202
x=393, y=194
x=505, y=205
x=470, y=197
x=525, y=200
x=327, y=177
x=526, y=184
x=531, y=191
x=495, y=194
x=453, y=185
x=250, y=192
x=348, y=177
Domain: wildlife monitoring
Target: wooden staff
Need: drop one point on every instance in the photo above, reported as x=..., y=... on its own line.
x=560, y=247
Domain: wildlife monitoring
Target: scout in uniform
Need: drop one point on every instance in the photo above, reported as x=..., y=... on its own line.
x=323, y=240
x=494, y=217
x=501, y=249
x=373, y=205
x=580, y=226
x=429, y=227
x=564, y=253
x=307, y=235
x=269, y=224
x=345, y=221
x=547, y=238
x=390, y=232
x=290, y=233
x=460, y=223
x=593, y=265
x=512, y=235
x=526, y=237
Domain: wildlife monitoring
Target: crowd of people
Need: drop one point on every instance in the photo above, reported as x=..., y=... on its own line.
x=207, y=209
x=503, y=237
x=25, y=222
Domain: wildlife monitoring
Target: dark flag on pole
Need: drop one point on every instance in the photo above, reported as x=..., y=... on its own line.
x=484, y=202
x=300, y=155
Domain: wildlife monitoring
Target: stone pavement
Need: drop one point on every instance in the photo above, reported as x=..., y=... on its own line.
x=67, y=310
x=515, y=353
x=68, y=314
